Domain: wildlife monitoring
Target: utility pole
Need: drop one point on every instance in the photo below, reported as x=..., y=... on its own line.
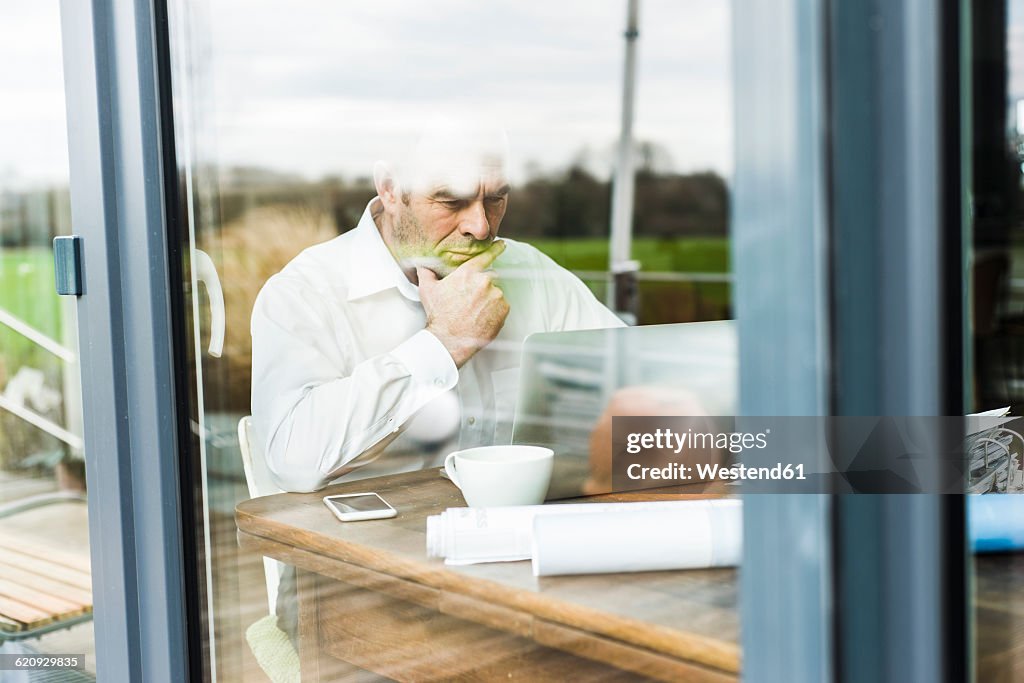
x=623, y=295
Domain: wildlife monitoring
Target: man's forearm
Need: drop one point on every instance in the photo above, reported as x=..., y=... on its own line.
x=319, y=430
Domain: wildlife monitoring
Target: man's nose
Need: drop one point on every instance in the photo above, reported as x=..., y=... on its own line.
x=473, y=222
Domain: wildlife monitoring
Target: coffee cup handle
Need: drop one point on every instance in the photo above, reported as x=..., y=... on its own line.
x=449, y=468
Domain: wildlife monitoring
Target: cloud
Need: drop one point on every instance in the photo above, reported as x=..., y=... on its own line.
x=320, y=86
x=33, y=128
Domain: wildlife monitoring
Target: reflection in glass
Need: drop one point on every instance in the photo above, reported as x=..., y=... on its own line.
x=44, y=537
x=294, y=124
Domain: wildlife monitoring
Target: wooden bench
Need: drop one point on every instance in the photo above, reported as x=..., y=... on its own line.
x=41, y=589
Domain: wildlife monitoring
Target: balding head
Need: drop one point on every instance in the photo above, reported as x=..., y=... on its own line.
x=455, y=152
x=443, y=202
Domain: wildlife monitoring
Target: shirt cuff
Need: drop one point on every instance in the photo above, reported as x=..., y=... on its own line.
x=428, y=361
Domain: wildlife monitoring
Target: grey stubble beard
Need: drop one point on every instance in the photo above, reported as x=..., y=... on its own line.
x=413, y=251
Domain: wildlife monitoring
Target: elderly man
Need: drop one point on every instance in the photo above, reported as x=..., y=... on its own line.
x=418, y=310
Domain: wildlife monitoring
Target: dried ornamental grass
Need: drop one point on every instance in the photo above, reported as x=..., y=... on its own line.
x=247, y=252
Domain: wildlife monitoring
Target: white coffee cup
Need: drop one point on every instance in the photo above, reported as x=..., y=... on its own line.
x=493, y=476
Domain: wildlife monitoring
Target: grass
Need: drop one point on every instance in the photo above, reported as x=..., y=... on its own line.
x=660, y=302
x=693, y=255
x=27, y=291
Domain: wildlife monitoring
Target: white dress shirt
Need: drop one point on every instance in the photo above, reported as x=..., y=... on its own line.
x=342, y=362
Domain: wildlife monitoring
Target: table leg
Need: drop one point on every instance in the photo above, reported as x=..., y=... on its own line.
x=315, y=663
x=307, y=587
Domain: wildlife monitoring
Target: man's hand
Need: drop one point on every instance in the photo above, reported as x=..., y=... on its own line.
x=464, y=310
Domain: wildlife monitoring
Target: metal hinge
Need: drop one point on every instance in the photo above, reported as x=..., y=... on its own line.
x=67, y=265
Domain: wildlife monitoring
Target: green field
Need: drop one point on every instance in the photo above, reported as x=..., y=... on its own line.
x=27, y=292
x=696, y=255
x=661, y=301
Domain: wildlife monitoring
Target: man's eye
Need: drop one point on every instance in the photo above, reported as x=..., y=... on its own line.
x=495, y=200
x=453, y=204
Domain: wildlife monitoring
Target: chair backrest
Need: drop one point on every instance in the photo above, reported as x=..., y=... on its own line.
x=257, y=475
x=245, y=445
x=259, y=483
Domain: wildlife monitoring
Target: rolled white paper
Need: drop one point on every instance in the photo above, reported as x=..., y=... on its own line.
x=692, y=535
x=503, y=534
x=474, y=535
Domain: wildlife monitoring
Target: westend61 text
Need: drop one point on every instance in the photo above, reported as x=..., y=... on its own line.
x=705, y=472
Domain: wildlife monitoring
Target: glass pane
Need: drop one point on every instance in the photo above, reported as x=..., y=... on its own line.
x=44, y=564
x=997, y=69
x=327, y=150
x=996, y=325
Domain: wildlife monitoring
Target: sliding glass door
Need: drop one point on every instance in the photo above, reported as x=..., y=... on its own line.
x=646, y=208
x=617, y=129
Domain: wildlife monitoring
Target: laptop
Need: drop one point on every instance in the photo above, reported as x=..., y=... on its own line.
x=568, y=380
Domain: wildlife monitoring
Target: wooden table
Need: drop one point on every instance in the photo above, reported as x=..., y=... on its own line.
x=371, y=601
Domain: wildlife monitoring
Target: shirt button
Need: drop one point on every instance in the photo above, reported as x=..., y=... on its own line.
x=471, y=420
x=438, y=382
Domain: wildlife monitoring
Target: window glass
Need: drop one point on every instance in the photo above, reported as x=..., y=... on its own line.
x=995, y=332
x=46, y=600
x=342, y=165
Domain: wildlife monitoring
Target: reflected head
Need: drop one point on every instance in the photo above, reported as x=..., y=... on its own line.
x=443, y=202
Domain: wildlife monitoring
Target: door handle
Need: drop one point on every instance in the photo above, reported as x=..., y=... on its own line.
x=67, y=264
x=206, y=273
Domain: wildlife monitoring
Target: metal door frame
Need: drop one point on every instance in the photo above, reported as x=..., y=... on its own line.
x=140, y=517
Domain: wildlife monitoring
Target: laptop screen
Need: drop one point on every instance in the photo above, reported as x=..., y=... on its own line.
x=571, y=383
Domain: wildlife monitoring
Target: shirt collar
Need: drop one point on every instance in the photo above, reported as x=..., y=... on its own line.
x=372, y=268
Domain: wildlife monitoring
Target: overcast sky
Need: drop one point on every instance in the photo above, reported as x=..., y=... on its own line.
x=321, y=86
x=326, y=86
x=33, y=133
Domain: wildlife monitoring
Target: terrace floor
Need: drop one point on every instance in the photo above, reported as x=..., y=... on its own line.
x=64, y=527
x=239, y=585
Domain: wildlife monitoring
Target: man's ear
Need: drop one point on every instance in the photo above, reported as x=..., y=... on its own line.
x=385, y=183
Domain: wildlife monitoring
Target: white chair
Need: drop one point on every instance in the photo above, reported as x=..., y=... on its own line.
x=259, y=482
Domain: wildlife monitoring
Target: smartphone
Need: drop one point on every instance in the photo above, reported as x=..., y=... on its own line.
x=355, y=507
